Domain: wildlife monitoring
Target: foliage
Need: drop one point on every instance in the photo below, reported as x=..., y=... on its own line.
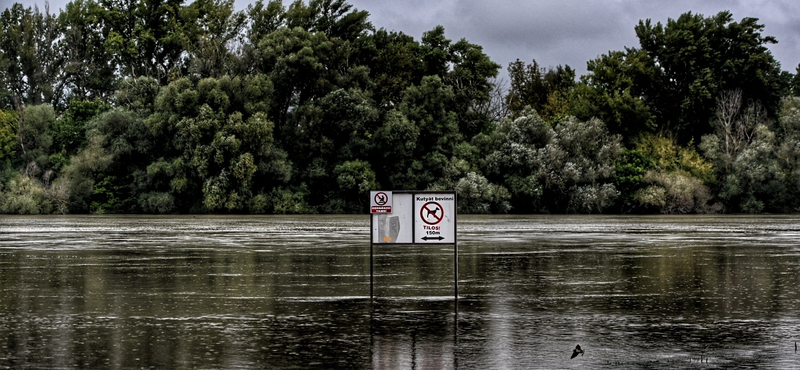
x=221, y=143
x=165, y=106
x=69, y=132
x=674, y=192
x=755, y=168
x=22, y=195
x=538, y=88
x=672, y=80
x=147, y=38
x=35, y=137
x=477, y=195
x=8, y=136
x=566, y=167
x=355, y=180
x=31, y=66
x=614, y=91
x=89, y=73
x=630, y=169
x=726, y=55
x=677, y=178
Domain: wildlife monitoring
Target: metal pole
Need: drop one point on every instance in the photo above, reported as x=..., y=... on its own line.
x=371, y=270
x=455, y=246
x=455, y=264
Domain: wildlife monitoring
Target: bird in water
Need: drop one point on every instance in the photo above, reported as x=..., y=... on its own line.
x=577, y=351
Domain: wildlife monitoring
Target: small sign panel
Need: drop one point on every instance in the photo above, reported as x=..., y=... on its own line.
x=434, y=218
x=380, y=202
x=396, y=227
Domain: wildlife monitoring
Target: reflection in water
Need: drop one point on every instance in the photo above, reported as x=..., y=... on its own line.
x=122, y=292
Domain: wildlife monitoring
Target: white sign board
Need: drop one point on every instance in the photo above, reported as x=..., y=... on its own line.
x=408, y=217
x=396, y=226
x=434, y=218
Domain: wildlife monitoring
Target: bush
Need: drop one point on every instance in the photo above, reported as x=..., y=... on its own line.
x=477, y=195
x=157, y=202
x=675, y=192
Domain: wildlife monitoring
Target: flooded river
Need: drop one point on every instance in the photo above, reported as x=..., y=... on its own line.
x=284, y=292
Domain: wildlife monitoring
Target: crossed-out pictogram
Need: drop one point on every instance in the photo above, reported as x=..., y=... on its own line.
x=431, y=213
x=381, y=198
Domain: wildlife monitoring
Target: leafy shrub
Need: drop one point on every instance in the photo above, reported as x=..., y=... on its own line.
x=477, y=195
x=157, y=202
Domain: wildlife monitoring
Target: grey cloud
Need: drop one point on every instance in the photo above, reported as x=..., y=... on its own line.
x=573, y=31
x=559, y=32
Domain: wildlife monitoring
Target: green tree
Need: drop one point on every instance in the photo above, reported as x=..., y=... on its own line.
x=631, y=168
x=477, y=195
x=8, y=136
x=221, y=143
x=32, y=66
x=428, y=108
x=466, y=70
x=217, y=27
x=395, y=144
x=755, y=162
x=125, y=139
x=261, y=20
x=614, y=92
x=678, y=180
x=694, y=58
x=147, y=38
x=577, y=166
x=35, y=136
x=567, y=167
x=332, y=131
x=538, y=88
x=137, y=94
x=788, y=152
x=335, y=18
x=395, y=64
x=355, y=180
x=313, y=55
x=69, y=132
x=88, y=69
x=77, y=178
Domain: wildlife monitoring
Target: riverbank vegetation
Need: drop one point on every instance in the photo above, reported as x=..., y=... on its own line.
x=158, y=106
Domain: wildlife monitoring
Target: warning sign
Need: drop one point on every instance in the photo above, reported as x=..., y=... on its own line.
x=380, y=202
x=435, y=218
x=431, y=213
x=411, y=217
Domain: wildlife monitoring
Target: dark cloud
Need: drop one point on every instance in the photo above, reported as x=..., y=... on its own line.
x=572, y=32
x=565, y=32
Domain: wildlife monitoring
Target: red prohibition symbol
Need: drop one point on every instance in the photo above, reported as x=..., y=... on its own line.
x=431, y=213
x=381, y=198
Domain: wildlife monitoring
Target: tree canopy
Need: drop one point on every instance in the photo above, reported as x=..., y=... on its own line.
x=164, y=106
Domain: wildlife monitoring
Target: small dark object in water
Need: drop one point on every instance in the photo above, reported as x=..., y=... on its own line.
x=577, y=351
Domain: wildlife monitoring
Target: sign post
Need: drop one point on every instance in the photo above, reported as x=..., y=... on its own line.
x=413, y=217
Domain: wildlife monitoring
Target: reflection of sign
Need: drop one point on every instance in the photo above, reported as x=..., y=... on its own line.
x=381, y=202
x=431, y=213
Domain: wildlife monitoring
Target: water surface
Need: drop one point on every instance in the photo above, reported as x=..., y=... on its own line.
x=250, y=292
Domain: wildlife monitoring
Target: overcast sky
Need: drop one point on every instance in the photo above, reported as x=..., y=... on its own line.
x=563, y=32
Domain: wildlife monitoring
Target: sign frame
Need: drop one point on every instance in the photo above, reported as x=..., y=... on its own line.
x=433, y=221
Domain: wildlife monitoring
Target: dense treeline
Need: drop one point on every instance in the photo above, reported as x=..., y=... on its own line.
x=155, y=106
